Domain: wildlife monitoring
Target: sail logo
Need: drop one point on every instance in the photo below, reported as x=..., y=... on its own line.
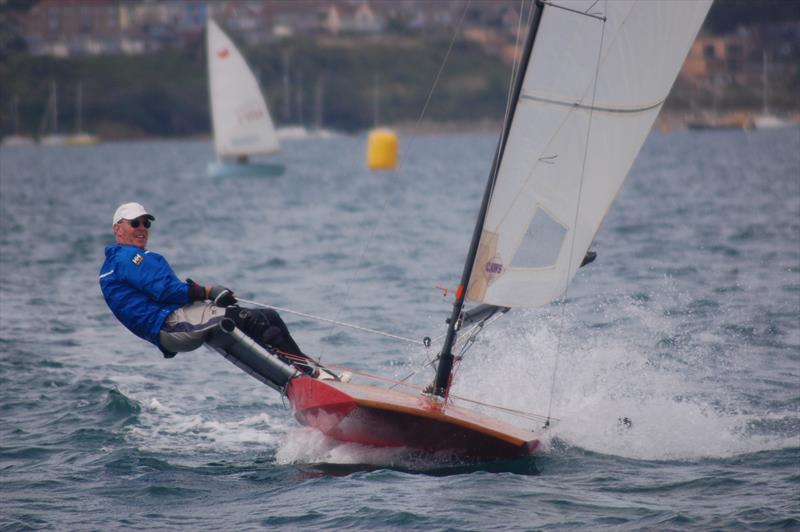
x=224, y=53
x=253, y=114
x=494, y=267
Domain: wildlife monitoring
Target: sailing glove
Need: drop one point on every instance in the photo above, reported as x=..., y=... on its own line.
x=221, y=296
x=196, y=292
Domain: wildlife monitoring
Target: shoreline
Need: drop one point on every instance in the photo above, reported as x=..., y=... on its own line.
x=665, y=122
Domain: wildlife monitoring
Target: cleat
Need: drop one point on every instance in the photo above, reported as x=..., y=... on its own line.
x=328, y=375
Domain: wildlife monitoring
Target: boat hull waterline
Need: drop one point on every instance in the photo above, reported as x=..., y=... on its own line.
x=379, y=417
x=233, y=169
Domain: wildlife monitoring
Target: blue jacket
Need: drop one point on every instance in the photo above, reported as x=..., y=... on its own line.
x=141, y=290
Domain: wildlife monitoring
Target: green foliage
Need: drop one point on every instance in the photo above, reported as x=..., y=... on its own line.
x=166, y=94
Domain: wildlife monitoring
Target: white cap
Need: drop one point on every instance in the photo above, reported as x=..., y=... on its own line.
x=130, y=211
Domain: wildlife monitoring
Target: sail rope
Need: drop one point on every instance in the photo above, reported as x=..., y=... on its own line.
x=426, y=342
x=564, y=298
x=310, y=362
x=394, y=382
x=468, y=340
x=335, y=322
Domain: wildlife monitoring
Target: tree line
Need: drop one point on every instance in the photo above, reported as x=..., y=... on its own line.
x=346, y=87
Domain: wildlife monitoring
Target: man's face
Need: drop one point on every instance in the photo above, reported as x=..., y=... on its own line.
x=126, y=233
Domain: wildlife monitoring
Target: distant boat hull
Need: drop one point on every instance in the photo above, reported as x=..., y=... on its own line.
x=53, y=140
x=234, y=169
x=81, y=139
x=734, y=121
x=770, y=122
x=301, y=133
x=378, y=417
x=18, y=140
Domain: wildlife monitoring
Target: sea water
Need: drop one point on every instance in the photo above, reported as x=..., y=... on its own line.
x=687, y=324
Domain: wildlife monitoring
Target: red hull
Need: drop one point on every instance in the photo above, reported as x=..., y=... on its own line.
x=387, y=418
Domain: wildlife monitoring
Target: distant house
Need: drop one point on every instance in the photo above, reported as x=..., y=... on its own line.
x=66, y=28
x=352, y=18
x=712, y=56
x=71, y=27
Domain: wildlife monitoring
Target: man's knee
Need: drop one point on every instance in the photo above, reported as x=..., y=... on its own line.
x=271, y=316
x=181, y=342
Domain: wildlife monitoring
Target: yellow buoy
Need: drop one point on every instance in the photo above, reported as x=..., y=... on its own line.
x=382, y=149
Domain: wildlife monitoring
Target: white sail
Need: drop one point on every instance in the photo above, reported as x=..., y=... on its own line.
x=242, y=124
x=597, y=76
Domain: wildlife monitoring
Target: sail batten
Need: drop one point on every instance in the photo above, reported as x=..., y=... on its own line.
x=241, y=121
x=592, y=89
x=579, y=105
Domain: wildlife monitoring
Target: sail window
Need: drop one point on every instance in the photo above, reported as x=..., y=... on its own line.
x=541, y=244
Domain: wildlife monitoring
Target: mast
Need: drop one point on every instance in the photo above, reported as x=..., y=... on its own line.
x=287, y=99
x=15, y=113
x=445, y=365
x=54, y=103
x=376, y=101
x=318, y=95
x=299, y=98
x=765, y=109
x=79, y=109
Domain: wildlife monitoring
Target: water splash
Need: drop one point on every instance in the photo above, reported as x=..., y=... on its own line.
x=639, y=361
x=165, y=428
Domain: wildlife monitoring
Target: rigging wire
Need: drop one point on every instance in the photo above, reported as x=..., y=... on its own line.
x=519, y=413
x=371, y=237
x=517, y=65
x=441, y=67
x=310, y=362
x=468, y=339
x=335, y=322
x=515, y=69
x=575, y=220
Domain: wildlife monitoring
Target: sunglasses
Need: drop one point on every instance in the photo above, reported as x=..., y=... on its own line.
x=135, y=223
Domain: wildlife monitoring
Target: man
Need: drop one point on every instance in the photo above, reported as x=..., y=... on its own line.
x=143, y=292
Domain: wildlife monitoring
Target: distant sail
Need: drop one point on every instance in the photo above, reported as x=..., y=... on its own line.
x=242, y=124
x=597, y=77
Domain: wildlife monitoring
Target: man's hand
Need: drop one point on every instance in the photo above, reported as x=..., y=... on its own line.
x=221, y=296
x=196, y=291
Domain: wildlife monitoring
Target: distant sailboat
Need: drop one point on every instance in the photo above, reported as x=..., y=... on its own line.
x=240, y=118
x=48, y=130
x=298, y=131
x=714, y=119
x=16, y=139
x=80, y=136
x=767, y=120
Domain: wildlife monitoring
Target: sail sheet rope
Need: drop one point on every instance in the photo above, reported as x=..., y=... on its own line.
x=394, y=382
x=334, y=322
x=468, y=341
x=426, y=342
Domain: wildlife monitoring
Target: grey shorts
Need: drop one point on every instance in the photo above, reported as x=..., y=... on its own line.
x=186, y=328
